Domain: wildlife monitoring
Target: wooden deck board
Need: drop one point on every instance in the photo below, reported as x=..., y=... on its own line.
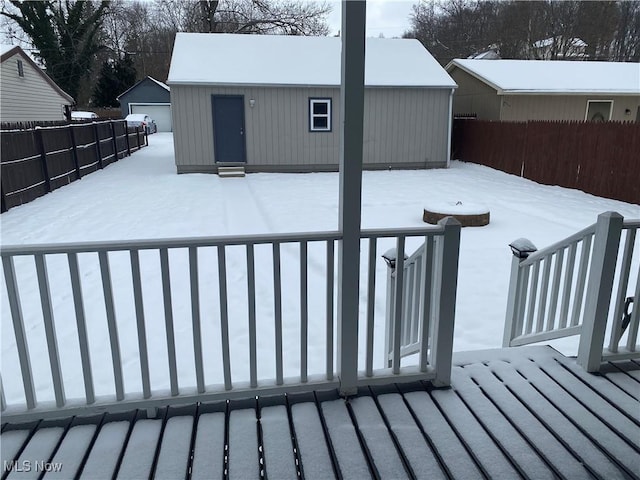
x=141, y=448
x=69, y=454
x=384, y=454
x=279, y=462
x=209, y=452
x=344, y=436
x=174, y=452
x=105, y=453
x=575, y=448
x=455, y=459
x=422, y=459
x=525, y=412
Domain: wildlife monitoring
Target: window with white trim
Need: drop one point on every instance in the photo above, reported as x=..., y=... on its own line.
x=599, y=110
x=320, y=114
x=20, y=68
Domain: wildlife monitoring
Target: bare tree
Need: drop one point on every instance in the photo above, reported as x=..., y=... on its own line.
x=285, y=17
x=549, y=29
x=626, y=42
x=454, y=29
x=152, y=39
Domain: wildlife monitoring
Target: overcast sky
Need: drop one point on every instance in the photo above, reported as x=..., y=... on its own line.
x=389, y=17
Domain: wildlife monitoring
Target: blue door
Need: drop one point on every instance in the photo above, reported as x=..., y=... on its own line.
x=228, y=128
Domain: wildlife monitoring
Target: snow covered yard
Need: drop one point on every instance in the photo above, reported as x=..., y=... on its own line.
x=141, y=197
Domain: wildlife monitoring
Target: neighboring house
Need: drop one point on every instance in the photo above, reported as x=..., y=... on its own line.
x=560, y=48
x=492, y=53
x=546, y=90
x=151, y=97
x=272, y=103
x=26, y=92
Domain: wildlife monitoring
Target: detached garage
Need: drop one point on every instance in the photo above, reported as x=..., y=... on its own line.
x=151, y=97
x=271, y=103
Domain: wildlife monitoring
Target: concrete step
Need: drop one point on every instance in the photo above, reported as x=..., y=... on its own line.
x=226, y=172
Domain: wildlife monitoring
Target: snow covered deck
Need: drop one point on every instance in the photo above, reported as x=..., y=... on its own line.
x=521, y=412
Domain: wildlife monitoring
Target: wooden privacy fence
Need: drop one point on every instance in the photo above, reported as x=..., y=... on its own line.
x=597, y=158
x=35, y=162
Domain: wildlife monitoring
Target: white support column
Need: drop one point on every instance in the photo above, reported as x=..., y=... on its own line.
x=599, y=289
x=352, y=116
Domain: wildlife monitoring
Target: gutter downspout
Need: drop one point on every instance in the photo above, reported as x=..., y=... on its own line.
x=450, y=126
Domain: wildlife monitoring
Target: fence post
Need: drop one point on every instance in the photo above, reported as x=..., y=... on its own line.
x=43, y=158
x=74, y=150
x=4, y=200
x=98, y=149
x=126, y=136
x=442, y=349
x=114, y=140
x=599, y=288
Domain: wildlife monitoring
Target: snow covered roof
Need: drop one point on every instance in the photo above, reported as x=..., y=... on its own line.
x=554, y=76
x=486, y=55
x=157, y=82
x=547, y=42
x=163, y=85
x=201, y=58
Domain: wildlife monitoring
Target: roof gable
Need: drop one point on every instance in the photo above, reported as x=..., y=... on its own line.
x=201, y=58
x=554, y=76
x=147, y=79
x=9, y=51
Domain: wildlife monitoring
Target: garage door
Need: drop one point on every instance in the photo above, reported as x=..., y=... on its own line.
x=160, y=113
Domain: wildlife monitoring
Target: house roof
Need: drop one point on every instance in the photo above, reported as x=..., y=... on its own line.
x=554, y=76
x=6, y=48
x=205, y=59
x=8, y=51
x=547, y=42
x=157, y=82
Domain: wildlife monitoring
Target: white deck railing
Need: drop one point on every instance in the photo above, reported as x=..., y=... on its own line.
x=159, y=313
x=423, y=298
x=579, y=286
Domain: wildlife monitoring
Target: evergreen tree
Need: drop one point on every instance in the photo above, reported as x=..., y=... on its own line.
x=66, y=35
x=115, y=78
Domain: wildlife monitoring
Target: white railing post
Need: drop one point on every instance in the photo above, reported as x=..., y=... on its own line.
x=352, y=118
x=448, y=255
x=521, y=249
x=513, y=303
x=599, y=289
x=390, y=259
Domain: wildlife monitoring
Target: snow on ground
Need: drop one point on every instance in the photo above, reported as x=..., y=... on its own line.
x=142, y=197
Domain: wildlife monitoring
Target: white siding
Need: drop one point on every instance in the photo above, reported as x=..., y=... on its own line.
x=29, y=97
